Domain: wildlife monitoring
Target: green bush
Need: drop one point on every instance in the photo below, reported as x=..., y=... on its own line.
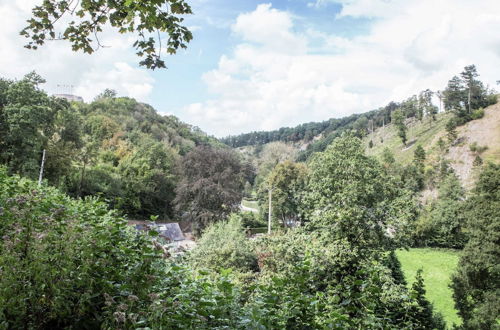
x=478, y=161
x=491, y=99
x=58, y=257
x=74, y=264
x=425, y=311
x=392, y=262
x=224, y=245
x=474, y=147
x=180, y=299
x=477, y=114
x=251, y=220
x=441, y=223
x=309, y=283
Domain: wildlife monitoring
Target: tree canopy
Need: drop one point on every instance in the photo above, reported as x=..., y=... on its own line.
x=114, y=147
x=476, y=283
x=82, y=22
x=350, y=196
x=211, y=187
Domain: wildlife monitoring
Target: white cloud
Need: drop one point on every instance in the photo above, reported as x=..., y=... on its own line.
x=125, y=79
x=110, y=67
x=275, y=77
x=319, y=3
x=271, y=29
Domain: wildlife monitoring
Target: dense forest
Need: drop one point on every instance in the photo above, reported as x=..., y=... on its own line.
x=74, y=263
x=113, y=147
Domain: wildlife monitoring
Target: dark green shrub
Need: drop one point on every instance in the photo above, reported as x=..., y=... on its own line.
x=474, y=147
x=392, y=262
x=251, y=220
x=478, y=161
x=476, y=282
x=451, y=129
x=425, y=311
x=491, y=99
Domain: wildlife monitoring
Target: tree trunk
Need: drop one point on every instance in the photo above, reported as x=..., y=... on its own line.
x=270, y=211
x=40, y=177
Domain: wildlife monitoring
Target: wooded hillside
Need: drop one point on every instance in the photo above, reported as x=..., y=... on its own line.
x=113, y=147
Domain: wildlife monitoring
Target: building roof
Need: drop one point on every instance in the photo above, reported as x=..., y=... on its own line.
x=171, y=231
x=69, y=97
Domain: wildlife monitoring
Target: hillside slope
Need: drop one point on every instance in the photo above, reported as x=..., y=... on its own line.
x=484, y=132
x=114, y=147
x=425, y=133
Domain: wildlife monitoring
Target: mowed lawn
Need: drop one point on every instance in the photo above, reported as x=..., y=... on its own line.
x=437, y=266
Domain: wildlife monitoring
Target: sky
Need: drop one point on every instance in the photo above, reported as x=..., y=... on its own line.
x=262, y=65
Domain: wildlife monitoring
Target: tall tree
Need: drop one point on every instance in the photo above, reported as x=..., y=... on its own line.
x=419, y=157
x=350, y=197
x=398, y=118
x=272, y=154
x=466, y=93
x=425, y=103
x=28, y=117
x=410, y=107
x=454, y=97
x=361, y=126
x=472, y=85
x=149, y=176
x=451, y=130
x=476, y=282
x=288, y=180
x=425, y=311
x=211, y=186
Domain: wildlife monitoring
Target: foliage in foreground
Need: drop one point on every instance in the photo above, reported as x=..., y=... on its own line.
x=73, y=264
x=83, y=27
x=307, y=282
x=225, y=245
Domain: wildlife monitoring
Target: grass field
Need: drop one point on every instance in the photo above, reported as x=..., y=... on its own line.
x=419, y=133
x=437, y=265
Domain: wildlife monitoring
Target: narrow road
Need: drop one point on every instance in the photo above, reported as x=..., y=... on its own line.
x=248, y=209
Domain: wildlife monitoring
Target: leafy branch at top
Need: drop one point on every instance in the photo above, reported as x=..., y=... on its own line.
x=148, y=19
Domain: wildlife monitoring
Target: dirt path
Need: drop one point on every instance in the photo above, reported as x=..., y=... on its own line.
x=248, y=209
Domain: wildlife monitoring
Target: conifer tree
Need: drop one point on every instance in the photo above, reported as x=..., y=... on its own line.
x=476, y=282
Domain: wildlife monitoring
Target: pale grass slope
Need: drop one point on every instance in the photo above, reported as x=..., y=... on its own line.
x=484, y=132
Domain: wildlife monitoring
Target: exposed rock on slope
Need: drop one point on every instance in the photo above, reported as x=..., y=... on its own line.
x=484, y=132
